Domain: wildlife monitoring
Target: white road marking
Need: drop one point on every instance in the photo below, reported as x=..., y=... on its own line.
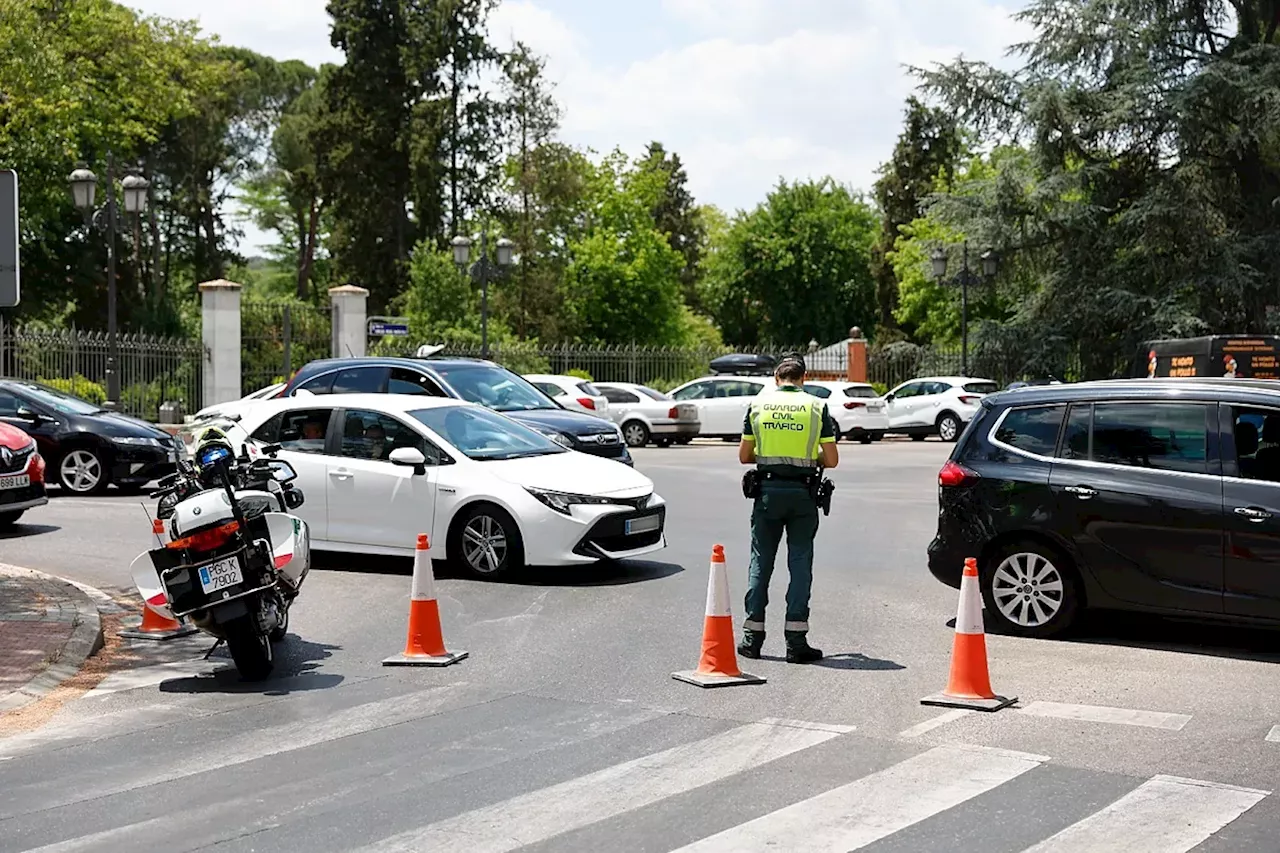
x=934, y=722
x=805, y=724
x=265, y=742
x=1103, y=714
x=145, y=676
x=1273, y=736
x=1165, y=814
x=546, y=813
x=875, y=806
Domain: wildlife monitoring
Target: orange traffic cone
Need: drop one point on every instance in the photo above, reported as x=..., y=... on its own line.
x=425, y=644
x=969, y=685
x=157, y=627
x=719, y=664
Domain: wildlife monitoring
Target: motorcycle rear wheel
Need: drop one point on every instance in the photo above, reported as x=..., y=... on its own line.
x=250, y=649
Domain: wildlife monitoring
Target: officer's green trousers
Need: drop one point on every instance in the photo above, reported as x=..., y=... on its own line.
x=783, y=507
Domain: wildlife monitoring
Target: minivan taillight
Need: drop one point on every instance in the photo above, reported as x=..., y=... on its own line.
x=954, y=474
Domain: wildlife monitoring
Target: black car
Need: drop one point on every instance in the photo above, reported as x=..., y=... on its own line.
x=1155, y=495
x=474, y=380
x=87, y=447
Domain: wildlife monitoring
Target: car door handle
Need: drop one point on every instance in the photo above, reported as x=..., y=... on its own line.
x=1082, y=492
x=1253, y=513
x=341, y=474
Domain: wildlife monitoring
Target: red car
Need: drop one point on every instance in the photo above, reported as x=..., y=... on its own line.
x=21, y=475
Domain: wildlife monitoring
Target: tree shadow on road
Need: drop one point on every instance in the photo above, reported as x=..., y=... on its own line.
x=296, y=671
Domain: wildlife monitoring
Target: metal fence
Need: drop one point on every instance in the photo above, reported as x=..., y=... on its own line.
x=277, y=338
x=900, y=362
x=153, y=369
x=662, y=368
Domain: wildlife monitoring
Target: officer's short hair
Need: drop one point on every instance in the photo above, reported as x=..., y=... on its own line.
x=791, y=368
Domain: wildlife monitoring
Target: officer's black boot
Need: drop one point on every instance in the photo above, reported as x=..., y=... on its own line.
x=752, y=641
x=799, y=650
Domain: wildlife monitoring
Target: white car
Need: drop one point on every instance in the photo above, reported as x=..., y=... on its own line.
x=491, y=494
x=722, y=402
x=940, y=405
x=858, y=411
x=575, y=394
x=646, y=415
x=238, y=406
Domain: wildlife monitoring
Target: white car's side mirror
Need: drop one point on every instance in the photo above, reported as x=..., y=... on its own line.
x=409, y=457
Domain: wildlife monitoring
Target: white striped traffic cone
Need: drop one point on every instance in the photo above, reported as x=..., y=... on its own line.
x=969, y=685
x=719, y=664
x=425, y=643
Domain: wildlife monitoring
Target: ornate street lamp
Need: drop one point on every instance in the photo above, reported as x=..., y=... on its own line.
x=964, y=278
x=84, y=185
x=481, y=271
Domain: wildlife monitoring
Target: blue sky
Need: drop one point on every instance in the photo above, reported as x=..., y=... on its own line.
x=746, y=91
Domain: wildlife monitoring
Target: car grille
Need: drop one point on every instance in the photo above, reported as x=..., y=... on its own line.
x=15, y=461
x=634, y=503
x=601, y=444
x=609, y=533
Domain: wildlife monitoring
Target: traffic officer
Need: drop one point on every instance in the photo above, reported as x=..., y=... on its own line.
x=789, y=436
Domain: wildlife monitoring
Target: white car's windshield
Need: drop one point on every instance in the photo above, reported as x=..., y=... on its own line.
x=481, y=434
x=495, y=388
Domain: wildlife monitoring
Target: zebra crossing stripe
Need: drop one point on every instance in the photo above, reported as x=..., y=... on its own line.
x=1165, y=814
x=875, y=806
x=546, y=813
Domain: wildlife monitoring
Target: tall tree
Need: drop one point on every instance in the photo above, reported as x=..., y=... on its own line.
x=676, y=215
x=1156, y=147
x=531, y=118
x=927, y=149
x=796, y=268
x=360, y=136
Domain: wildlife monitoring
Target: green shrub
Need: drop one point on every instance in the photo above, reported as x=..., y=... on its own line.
x=880, y=388
x=579, y=374
x=78, y=386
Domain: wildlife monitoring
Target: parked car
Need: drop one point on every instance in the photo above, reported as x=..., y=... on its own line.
x=722, y=402
x=238, y=406
x=87, y=446
x=575, y=394
x=1153, y=495
x=490, y=493
x=474, y=380
x=936, y=405
x=646, y=415
x=858, y=411
x=21, y=475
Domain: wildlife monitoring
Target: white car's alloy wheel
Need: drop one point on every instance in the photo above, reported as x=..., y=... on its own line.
x=948, y=428
x=1027, y=589
x=484, y=544
x=80, y=471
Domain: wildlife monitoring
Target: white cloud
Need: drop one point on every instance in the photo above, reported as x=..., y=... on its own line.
x=746, y=91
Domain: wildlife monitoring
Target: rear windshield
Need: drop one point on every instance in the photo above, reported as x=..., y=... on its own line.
x=818, y=391
x=589, y=389
x=981, y=387
x=649, y=392
x=860, y=391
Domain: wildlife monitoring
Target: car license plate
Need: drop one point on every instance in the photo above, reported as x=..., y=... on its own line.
x=18, y=481
x=874, y=407
x=686, y=413
x=642, y=525
x=220, y=575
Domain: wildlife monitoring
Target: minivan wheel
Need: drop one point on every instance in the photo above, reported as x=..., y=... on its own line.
x=1030, y=590
x=948, y=427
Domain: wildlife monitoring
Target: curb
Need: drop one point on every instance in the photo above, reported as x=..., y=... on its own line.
x=86, y=638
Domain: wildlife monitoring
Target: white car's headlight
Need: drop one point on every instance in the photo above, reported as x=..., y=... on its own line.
x=563, y=501
x=136, y=441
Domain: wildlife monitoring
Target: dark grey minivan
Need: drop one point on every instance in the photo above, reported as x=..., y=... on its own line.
x=1155, y=495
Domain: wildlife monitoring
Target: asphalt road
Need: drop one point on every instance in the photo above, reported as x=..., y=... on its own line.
x=563, y=730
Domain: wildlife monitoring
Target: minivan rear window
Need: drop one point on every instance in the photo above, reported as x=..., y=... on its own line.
x=981, y=387
x=1034, y=430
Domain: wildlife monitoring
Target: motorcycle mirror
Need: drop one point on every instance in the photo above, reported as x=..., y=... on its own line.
x=293, y=498
x=272, y=449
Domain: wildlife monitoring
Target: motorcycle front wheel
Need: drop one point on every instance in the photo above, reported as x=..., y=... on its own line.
x=250, y=649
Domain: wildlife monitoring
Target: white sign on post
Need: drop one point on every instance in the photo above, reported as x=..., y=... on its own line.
x=8, y=238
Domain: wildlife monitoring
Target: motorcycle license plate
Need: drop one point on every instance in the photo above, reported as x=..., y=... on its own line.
x=18, y=481
x=642, y=525
x=221, y=574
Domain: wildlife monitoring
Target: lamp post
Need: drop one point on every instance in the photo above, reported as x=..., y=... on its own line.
x=480, y=271
x=964, y=278
x=84, y=185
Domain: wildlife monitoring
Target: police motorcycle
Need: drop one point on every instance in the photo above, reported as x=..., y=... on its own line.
x=232, y=557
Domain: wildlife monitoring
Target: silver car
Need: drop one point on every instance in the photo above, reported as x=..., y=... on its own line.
x=645, y=415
